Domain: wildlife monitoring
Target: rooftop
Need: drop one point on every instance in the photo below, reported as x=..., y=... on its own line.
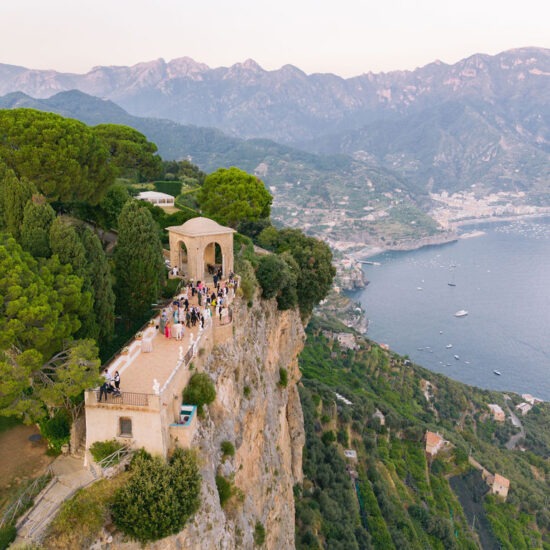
x=196, y=227
x=433, y=439
x=501, y=480
x=144, y=195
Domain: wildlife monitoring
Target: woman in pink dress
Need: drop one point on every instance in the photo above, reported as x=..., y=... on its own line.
x=167, y=330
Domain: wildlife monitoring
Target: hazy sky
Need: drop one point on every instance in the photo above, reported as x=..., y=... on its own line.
x=347, y=37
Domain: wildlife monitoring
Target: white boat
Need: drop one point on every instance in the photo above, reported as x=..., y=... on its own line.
x=456, y=357
x=497, y=372
x=461, y=313
x=449, y=346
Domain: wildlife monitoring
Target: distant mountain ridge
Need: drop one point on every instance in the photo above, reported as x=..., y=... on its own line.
x=287, y=104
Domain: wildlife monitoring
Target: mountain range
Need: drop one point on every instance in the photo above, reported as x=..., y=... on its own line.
x=484, y=121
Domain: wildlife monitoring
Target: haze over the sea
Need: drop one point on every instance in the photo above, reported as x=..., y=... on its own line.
x=502, y=279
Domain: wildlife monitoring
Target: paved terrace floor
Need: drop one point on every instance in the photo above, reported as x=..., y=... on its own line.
x=138, y=370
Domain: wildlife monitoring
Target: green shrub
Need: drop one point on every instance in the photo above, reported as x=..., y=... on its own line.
x=246, y=391
x=82, y=517
x=271, y=274
x=57, y=430
x=103, y=449
x=259, y=534
x=7, y=536
x=228, y=449
x=170, y=288
x=200, y=391
x=328, y=437
x=159, y=497
x=225, y=489
x=283, y=377
x=169, y=187
x=248, y=282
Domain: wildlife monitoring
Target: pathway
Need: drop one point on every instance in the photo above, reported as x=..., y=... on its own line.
x=516, y=438
x=69, y=475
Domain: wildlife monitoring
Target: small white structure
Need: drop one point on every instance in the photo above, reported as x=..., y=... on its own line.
x=350, y=453
x=343, y=399
x=524, y=408
x=156, y=198
x=527, y=397
x=380, y=415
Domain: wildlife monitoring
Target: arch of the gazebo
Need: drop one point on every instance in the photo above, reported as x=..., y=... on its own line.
x=200, y=237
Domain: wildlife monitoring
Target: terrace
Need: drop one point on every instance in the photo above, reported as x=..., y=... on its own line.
x=153, y=372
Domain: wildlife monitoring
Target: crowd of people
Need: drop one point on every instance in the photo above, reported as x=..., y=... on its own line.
x=195, y=306
x=210, y=301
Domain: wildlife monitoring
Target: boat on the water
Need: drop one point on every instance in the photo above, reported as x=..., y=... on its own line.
x=449, y=346
x=451, y=284
x=456, y=357
x=461, y=313
x=497, y=372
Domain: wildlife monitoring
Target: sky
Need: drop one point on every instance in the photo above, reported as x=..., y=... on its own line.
x=345, y=37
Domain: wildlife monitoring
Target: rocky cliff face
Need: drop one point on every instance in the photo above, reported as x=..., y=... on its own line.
x=265, y=424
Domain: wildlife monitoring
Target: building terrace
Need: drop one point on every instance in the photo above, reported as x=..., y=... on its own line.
x=153, y=373
x=154, y=369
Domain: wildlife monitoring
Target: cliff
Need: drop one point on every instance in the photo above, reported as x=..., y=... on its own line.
x=264, y=422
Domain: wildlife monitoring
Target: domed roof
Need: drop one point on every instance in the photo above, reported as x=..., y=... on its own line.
x=196, y=227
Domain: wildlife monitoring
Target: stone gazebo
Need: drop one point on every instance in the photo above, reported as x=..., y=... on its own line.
x=200, y=246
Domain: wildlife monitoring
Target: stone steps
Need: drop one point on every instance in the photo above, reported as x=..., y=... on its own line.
x=33, y=525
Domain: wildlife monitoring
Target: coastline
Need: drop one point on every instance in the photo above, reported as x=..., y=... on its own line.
x=452, y=235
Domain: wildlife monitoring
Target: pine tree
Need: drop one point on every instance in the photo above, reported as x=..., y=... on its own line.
x=139, y=265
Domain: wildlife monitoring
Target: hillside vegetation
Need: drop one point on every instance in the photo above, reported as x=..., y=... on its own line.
x=394, y=496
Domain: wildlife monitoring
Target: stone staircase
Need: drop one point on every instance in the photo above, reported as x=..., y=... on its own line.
x=69, y=475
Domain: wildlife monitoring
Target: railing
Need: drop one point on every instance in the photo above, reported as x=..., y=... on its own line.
x=188, y=356
x=115, y=457
x=125, y=398
x=25, y=499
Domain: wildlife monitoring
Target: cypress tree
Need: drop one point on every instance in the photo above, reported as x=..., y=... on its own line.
x=14, y=195
x=98, y=273
x=139, y=265
x=38, y=217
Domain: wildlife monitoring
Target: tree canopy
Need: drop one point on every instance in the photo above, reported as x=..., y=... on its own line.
x=63, y=158
x=159, y=497
x=41, y=303
x=313, y=259
x=14, y=195
x=131, y=154
x=230, y=196
x=139, y=263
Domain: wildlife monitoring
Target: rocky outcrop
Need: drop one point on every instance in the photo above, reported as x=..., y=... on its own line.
x=349, y=275
x=264, y=422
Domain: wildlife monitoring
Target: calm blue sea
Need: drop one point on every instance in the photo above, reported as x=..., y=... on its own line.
x=502, y=279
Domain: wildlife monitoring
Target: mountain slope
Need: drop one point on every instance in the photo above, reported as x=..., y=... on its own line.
x=290, y=106
x=391, y=494
x=326, y=194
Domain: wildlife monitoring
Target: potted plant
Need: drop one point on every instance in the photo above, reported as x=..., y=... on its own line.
x=139, y=335
x=125, y=350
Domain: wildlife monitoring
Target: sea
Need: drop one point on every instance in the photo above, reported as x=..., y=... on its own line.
x=501, y=277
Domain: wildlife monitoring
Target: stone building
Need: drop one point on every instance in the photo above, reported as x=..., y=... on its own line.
x=154, y=369
x=200, y=247
x=434, y=443
x=497, y=412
